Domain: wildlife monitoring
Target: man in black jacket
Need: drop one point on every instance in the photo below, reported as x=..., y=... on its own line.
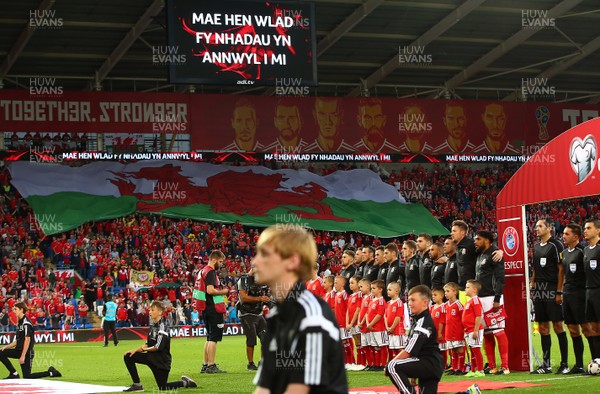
x=491, y=276
x=156, y=354
x=421, y=358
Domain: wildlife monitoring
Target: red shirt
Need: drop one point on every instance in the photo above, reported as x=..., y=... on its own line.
x=83, y=310
x=353, y=304
x=454, y=327
x=121, y=314
x=316, y=287
x=329, y=298
x=341, y=307
x=473, y=309
x=377, y=307
x=364, y=308
x=438, y=314
x=70, y=310
x=395, y=309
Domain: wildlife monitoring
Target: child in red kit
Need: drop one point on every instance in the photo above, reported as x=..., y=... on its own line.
x=376, y=326
x=472, y=322
x=455, y=334
x=394, y=321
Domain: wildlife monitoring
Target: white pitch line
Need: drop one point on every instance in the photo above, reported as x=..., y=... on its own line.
x=549, y=379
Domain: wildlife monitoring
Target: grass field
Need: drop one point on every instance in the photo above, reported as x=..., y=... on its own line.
x=94, y=364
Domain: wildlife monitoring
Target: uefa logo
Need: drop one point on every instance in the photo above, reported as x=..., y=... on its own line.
x=510, y=240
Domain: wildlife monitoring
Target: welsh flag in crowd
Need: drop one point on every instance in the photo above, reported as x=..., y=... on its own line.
x=64, y=197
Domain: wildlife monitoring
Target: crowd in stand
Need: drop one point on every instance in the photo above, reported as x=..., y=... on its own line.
x=103, y=253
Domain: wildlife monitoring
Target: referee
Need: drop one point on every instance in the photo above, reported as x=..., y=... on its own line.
x=573, y=305
x=302, y=350
x=591, y=257
x=421, y=358
x=250, y=309
x=22, y=348
x=547, y=287
x=156, y=354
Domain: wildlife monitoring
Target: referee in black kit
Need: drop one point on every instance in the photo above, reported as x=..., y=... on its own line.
x=156, y=354
x=591, y=257
x=302, y=350
x=547, y=287
x=573, y=305
x=421, y=358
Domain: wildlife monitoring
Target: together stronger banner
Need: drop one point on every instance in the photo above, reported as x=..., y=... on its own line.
x=300, y=124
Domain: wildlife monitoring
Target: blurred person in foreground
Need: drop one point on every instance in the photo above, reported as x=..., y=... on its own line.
x=302, y=350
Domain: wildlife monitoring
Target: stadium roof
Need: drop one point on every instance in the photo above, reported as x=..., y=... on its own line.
x=479, y=49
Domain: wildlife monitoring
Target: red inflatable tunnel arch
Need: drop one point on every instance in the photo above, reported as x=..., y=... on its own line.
x=567, y=167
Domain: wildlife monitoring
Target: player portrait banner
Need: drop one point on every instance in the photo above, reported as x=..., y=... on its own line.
x=570, y=159
x=131, y=333
x=64, y=197
x=283, y=124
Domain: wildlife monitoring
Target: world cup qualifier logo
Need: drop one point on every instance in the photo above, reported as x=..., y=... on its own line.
x=510, y=240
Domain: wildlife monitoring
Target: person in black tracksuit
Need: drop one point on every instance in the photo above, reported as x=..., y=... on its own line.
x=451, y=272
x=156, y=354
x=411, y=266
x=348, y=268
x=421, y=358
x=22, y=349
x=368, y=256
x=424, y=242
x=397, y=271
x=439, y=265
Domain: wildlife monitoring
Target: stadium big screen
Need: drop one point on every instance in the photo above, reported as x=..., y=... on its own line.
x=242, y=42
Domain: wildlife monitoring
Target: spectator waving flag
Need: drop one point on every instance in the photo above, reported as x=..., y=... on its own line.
x=64, y=197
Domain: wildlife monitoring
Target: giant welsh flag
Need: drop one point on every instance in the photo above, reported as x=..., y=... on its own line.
x=64, y=197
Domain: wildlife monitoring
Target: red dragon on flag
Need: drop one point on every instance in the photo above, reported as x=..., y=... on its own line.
x=240, y=193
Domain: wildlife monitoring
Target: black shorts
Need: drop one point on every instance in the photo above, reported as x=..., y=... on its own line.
x=547, y=310
x=214, y=326
x=592, y=305
x=573, y=307
x=253, y=325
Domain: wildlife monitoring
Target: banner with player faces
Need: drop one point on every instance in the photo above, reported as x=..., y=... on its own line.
x=387, y=125
x=300, y=124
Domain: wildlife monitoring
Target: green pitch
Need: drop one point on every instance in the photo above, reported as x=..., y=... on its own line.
x=94, y=364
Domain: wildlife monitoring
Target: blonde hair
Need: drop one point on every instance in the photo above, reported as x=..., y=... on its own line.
x=453, y=286
x=289, y=241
